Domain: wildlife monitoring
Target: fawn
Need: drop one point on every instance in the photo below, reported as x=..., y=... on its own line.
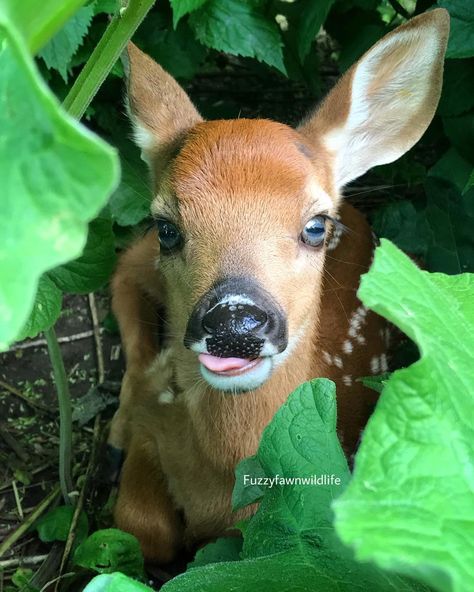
x=253, y=263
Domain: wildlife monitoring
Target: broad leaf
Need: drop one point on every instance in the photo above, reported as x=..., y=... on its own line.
x=115, y=582
x=37, y=24
x=94, y=266
x=238, y=28
x=452, y=167
x=60, y=49
x=182, y=7
x=55, y=175
x=46, y=309
x=55, y=525
x=290, y=545
x=109, y=550
x=409, y=506
x=312, y=16
x=223, y=549
x=458, y=88
x=450, y=247
x=461, y=39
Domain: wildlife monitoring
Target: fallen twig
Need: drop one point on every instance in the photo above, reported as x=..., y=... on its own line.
x=24, y=526
x=36, y=406
x=22, y=561
x=43, y=343
x=97, y=339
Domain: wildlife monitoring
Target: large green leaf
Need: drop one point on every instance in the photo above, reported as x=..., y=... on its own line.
x=38, y=22
x=239, y=28
x=116, y=582
x=55, y=175
x=57, y=53
x=94, y=267
x=410, y=504
x=461, y=39
x=290, y=545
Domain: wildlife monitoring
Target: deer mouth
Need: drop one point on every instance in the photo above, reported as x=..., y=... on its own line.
x=235, y=375
x=228, y=366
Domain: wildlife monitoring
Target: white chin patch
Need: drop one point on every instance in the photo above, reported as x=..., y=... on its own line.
x=246, y=381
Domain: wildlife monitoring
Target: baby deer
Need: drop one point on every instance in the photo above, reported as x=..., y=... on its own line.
x=253, y=266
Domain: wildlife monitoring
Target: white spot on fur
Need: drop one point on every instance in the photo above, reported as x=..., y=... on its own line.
x=335, y=238
x=347, y=379
x=338, y=361
x=375, y=365
x=166, y=397
x=347, y=347
x=326, y=357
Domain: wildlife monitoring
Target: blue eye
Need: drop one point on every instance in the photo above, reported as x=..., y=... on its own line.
x=314, y=232
x=169, y=235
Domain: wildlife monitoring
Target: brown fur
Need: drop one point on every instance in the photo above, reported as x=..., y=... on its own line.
x=240, y=191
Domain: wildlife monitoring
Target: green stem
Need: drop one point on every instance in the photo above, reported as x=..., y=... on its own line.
x=65, y=414
x=104, y=56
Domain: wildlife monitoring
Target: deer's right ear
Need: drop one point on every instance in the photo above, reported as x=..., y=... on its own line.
x=159, y=108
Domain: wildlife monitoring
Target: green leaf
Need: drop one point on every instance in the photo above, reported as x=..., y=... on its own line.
x=58, y=180
x=409, y=506
x=46, y=309
x=470, y=182
x=92, y=270
x=460, y=130
x=289, y=544
x=115, y=582
x=106, y=6
x=182, y=7
x=461, y=39
x=55, y=525
x=38, y=24
x=450, y=247
x=239, y=28
x=109, y=550
x=60, y=49
x=458, y=88
x=246, y=489
x=376, y=383
x=130, y=202
x=312, y=16
x=399, y=221
x=223, y=549
x=451, y=167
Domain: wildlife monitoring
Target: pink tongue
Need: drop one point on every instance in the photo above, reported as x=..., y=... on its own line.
x=216, y=364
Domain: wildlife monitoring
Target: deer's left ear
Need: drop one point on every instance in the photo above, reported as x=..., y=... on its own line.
x=382, y=106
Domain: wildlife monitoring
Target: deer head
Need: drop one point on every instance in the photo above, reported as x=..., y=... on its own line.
x=244, y=208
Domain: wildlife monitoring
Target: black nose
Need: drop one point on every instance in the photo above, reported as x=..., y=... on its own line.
x=237, y=319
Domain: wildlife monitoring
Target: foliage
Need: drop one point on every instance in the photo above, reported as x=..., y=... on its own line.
x=418, y=448
x=58, y=181
x=110, y=550
x=416, y=453
x=64, y=213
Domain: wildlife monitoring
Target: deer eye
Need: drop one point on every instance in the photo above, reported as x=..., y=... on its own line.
x=169, y=235
x=314, y=232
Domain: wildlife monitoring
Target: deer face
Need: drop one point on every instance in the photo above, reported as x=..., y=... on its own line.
x=242, y=217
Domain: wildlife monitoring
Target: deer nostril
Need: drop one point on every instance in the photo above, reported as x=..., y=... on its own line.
x=239, y=319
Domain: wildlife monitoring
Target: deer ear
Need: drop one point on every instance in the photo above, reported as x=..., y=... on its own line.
x=159, y=108
x=382, y=106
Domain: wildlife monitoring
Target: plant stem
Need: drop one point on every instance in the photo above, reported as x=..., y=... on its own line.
x=65, y=413
x=104, y=56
